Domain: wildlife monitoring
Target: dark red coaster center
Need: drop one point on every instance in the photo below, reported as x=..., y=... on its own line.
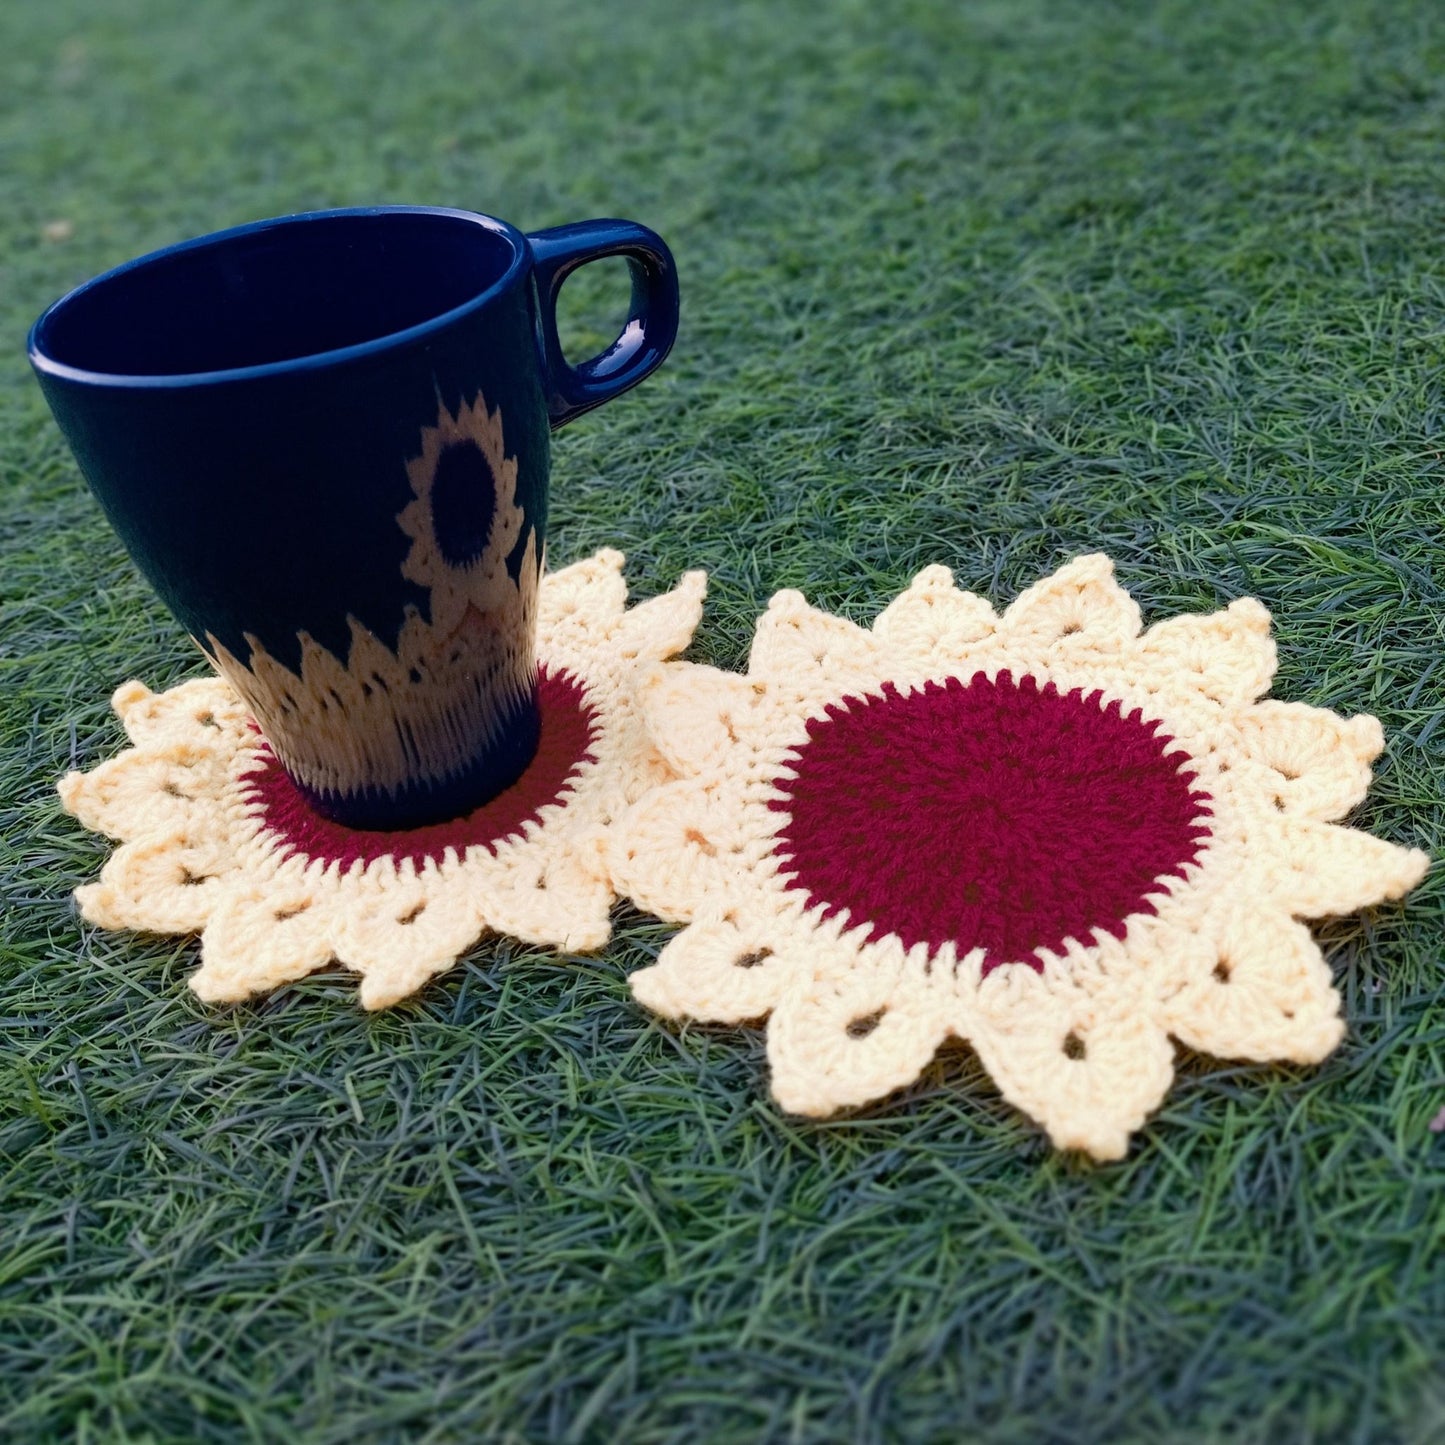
x=994, y=814
x=568, y=726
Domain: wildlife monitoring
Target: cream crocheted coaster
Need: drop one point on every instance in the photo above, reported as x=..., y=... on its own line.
x=1045, y=832
x=217, y=840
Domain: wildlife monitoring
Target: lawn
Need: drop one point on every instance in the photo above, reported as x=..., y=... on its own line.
x=988, y=284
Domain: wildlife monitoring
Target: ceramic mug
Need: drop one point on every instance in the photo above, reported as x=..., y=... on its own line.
x=324, y=441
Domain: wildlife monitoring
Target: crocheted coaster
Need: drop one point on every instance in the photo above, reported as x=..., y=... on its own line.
x=219, y=840
x=1042, y=831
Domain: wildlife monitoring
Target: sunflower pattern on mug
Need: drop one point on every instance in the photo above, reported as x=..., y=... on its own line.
x=460, y=679
x=1046, y=832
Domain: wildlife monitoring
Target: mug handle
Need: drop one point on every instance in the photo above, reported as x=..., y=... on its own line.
x=651, y=326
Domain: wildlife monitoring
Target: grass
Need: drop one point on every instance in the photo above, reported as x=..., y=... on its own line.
x=987, y=284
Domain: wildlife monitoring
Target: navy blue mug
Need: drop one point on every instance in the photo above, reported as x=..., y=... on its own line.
x=324, y=439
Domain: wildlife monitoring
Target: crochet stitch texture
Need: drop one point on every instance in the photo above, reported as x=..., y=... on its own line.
x=1047, y=832
x=217, y=839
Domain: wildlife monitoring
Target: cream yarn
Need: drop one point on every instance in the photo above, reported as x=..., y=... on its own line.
x=783, y=786
x=1047, y=831
x=199, y=855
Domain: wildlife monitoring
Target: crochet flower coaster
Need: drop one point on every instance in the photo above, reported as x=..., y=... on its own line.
x=219, y=841
x=1043, y=832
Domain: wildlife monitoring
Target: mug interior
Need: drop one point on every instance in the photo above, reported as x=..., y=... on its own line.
x=276, y=291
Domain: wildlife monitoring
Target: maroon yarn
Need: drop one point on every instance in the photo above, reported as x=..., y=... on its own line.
x=566, y=743
x=993, y=814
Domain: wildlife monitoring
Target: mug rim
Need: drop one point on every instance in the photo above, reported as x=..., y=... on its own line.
x=42, y=361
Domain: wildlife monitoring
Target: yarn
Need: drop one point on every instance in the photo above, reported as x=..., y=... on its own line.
x=987, y=814
x=217, y=840
x=1047, y=832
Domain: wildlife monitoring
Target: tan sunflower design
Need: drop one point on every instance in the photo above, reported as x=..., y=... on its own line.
x=459, y=552
x=1047, y=832
x=217, y=839
x=386, y=718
